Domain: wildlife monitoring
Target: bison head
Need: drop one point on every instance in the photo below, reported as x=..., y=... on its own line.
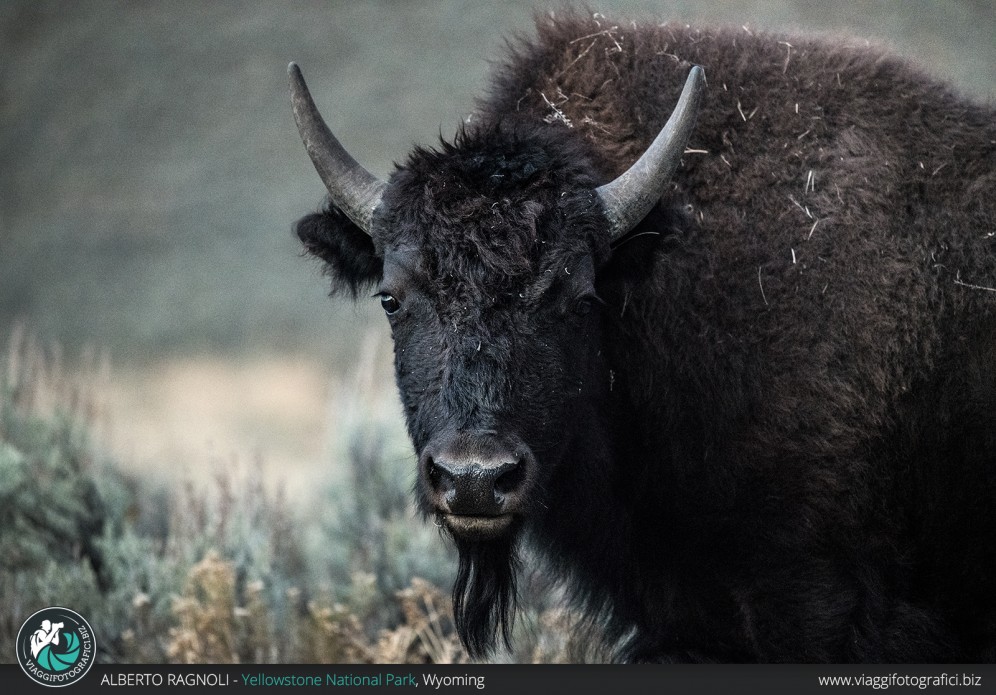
x=485, y=255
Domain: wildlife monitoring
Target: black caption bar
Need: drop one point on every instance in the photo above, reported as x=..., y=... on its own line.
x=519, y=679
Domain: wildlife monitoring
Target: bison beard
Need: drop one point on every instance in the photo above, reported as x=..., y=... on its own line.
x=484, y=593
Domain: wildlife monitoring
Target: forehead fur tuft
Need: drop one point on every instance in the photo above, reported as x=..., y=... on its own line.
x=497, y=204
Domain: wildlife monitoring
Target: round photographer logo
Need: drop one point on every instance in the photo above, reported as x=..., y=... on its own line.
x=55, y=647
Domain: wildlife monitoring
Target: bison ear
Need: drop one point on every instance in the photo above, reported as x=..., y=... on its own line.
x=348, y=252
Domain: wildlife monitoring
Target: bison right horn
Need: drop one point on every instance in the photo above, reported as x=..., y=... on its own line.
x=629, y=198
x=353, y=189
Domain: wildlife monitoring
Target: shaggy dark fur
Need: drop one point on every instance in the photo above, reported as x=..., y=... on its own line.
x=764, y=425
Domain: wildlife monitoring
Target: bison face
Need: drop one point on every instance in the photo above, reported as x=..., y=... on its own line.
x=494, y=371
x=484, y=258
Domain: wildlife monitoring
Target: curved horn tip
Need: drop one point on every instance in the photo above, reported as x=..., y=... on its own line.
x=627, y=199
x=354, y=190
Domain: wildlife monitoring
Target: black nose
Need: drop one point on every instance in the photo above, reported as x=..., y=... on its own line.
x=477, y=480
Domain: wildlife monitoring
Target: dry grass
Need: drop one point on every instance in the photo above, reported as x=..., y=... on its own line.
x=212, y=626
x=286, y=414
x=40, y=384
x=205, y=613
x=206, y=409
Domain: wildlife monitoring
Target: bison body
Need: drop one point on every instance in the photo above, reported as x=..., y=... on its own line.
x=761, y=426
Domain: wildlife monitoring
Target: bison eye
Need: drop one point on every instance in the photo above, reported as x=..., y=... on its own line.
x=583, y=305
x=390, y=304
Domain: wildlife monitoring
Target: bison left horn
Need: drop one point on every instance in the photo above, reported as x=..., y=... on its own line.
x=353, y=189
x=628, y=199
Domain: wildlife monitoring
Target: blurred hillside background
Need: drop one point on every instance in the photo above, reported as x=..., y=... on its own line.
x=150, y=173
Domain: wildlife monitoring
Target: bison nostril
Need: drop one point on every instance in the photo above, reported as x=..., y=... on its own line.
x=511, y=477
x=439, y=477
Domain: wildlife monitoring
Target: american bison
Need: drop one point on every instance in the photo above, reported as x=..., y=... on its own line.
x=733, y=378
